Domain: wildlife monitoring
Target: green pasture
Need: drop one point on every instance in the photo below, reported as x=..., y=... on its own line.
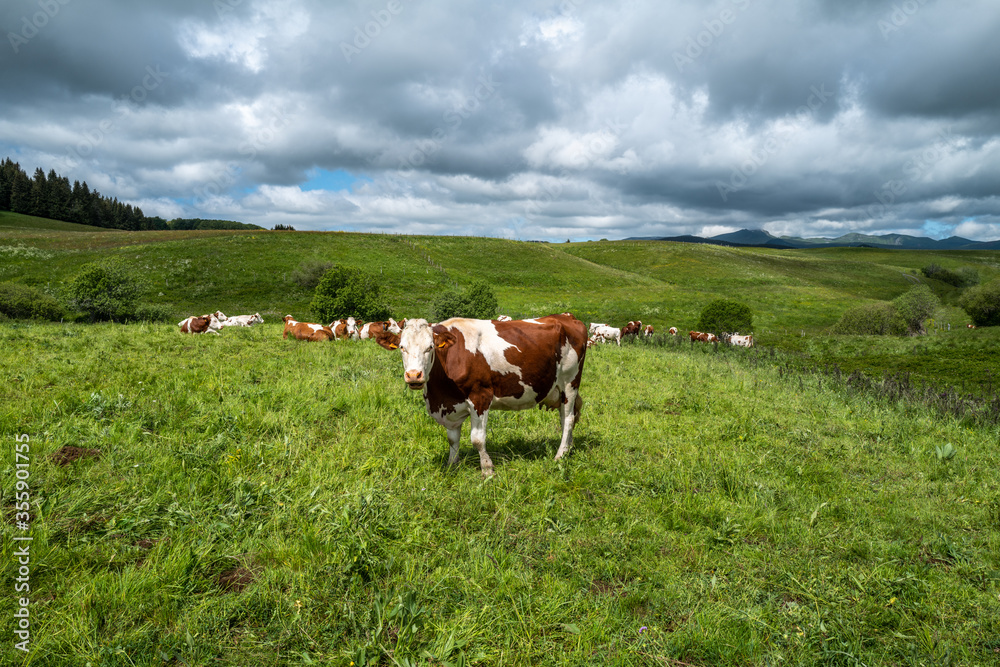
x=249, y=500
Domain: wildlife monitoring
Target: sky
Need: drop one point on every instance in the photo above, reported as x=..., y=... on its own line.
x=569, y=119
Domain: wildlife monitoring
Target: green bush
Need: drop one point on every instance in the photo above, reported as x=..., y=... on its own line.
x=348, y=292
x=724, y=315
x=308, y=274
x=982, y=303
x=478, y=302
x=872, y=319
x=916, y=306
x=961, y=277
x=23, y=302
x=106, y=290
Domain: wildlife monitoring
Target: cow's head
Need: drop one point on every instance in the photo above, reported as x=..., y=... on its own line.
x=257, y=318
x=417, y=343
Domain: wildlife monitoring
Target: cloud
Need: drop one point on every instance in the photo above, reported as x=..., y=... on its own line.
x=526, y=120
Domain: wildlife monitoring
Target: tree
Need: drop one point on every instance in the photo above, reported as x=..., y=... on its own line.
x=982, y=303
x=871, y=319
x=724, y=315
x=106, y=290
x=915, y=306
x=348, y=292
x=478, y=302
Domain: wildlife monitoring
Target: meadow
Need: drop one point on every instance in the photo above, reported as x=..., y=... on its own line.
x=249, y=500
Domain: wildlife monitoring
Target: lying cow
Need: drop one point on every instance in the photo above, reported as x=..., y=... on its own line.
x=306, y=330
x=344, y=329
x=200, y=325
x=465, y=367
x=243, y=320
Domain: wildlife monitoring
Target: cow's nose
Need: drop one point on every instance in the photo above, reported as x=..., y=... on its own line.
x=414, y=376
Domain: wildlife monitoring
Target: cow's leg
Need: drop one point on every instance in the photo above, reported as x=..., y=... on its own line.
x=569, y=411
x=454, y=437
x=479, y=442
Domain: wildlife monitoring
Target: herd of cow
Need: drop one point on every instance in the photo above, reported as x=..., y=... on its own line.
x=465, y=367
x=603, y=333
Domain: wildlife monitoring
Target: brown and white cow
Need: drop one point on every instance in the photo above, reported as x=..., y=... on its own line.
x=741, y=341
x=648, y=331
x=372, y=330
x=632, y=329
x=703, y=337
x=672, y=331
x=603, y=333
x=466, y=367
x=200, y=325
x=306, y=330
x=345, y=328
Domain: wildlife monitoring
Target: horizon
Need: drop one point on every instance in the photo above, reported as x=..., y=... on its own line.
x=535, y=120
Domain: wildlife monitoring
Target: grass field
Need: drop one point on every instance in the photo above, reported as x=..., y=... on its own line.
x=256, y=501
x=796, y=295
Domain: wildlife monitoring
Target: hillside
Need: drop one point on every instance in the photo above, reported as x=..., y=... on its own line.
x=795, y=294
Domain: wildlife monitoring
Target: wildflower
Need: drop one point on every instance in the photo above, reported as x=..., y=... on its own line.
x=642, y=629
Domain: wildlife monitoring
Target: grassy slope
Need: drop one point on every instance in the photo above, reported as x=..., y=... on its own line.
x=12, y=223
x=665, y=284
x=738, y=516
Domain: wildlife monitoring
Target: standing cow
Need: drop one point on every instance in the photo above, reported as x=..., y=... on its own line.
x=465, y=367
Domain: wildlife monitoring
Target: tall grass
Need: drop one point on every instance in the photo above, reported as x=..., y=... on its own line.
x=253, y=500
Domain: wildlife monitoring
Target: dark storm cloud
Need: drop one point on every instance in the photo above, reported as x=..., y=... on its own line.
x=571, y=118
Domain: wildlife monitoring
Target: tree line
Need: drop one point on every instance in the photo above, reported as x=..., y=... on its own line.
x=51, y=196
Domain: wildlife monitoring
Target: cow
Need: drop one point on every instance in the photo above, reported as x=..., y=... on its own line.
x=605, y=333
x=219, y=315
x=592, y=329
x=703, y=337
x=306, y=330
x=971, y=326
x=504, y=318
x=243, y=320
x=741, y=341
x=632, y=329
x=465, y=367
x=648, y=332
x=396, y=327
x=372, y=329
x=672, y=331
x=199, y=325
x=345, y=328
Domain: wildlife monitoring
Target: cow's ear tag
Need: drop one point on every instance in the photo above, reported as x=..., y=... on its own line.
x=391, y=346
x=441, y=344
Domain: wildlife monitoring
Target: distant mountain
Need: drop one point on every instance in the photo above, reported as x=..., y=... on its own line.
x=759, y=238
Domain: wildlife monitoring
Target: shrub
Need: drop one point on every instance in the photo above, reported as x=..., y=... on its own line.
x=982, y=303
x=723, y=315
x=961, y=277
x=478, y=302
x=23, y=302
x=915, y=306
x=345, y=292
x=872, y=319
x=308, y=275
x=106, y=290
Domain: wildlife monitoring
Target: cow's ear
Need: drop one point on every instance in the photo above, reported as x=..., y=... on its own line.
x=388, y=340
x=443, y=340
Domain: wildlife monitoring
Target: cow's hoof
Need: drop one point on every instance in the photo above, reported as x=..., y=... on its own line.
x=487, y=473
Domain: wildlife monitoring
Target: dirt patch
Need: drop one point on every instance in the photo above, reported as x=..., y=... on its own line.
x=235, y=580
x=68, y=454
x=612, y=588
